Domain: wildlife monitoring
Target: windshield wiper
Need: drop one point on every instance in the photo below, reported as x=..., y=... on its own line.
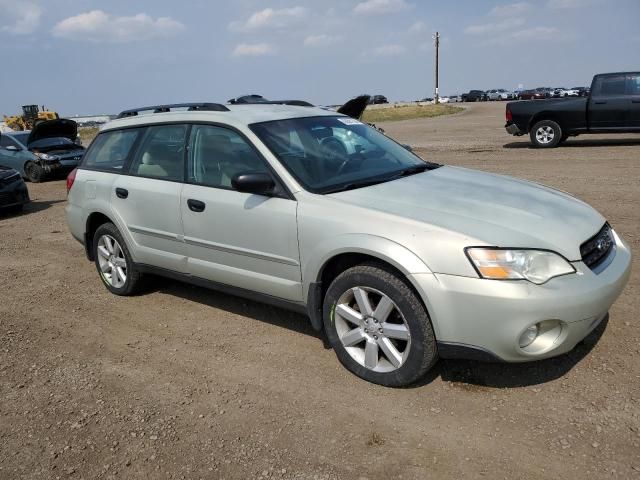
x=412, y=170
x=354, y=185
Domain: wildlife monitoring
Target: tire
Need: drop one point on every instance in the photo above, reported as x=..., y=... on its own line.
x=546, y=134
x=34, y=172
x=116, y=260
x=394, y=349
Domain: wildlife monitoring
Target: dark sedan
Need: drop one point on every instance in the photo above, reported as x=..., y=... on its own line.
x=13, y=191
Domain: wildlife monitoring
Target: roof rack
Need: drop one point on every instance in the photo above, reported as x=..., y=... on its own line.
x=189, y=107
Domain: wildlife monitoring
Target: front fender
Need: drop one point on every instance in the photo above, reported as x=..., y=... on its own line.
x=393, y=253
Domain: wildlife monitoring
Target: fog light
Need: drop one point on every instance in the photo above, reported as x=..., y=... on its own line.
x=529, y=335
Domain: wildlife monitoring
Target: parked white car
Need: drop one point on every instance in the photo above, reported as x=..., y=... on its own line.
x=500, y=94
x=399, y=261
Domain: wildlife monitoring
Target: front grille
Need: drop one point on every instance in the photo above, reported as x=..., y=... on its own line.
x=595, y=250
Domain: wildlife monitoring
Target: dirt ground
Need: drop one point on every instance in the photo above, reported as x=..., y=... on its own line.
x=182, y=382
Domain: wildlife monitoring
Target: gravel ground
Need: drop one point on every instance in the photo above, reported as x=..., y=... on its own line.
x=181, y=382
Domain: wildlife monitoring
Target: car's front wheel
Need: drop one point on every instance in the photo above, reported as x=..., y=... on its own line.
x=34, y=172
x=378, y=327
x=546, y=134
x=114, y=262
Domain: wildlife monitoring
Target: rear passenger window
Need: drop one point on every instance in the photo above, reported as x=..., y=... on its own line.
x=633, y=84
x=109, y=151
x=611, y=85
x=217, y=154
x=161, y=153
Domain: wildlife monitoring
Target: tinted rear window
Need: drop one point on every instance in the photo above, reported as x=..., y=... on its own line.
x=110, y=150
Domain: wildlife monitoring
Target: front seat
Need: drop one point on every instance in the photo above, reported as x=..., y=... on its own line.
x=149, y=166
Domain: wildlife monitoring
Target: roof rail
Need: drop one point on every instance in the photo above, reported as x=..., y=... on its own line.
x=189, y=107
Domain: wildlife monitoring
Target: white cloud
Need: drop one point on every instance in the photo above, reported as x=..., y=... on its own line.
x=376, y=7
x=270, y=18
x=417, y=27
x=321, y=40
x=540, y=34
x=19, y=17
x=510, y=10
x=253, y=50
x=495, y=27
x=388, y=50
x=98, y=26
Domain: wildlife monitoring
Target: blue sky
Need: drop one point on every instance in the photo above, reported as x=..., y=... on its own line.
x=90, y=56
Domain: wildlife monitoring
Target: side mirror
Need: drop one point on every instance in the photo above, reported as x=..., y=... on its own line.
x=258, y=183
x=12, y=148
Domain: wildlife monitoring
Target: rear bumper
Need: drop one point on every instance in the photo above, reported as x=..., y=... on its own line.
x=513, y=129
x=489, y=316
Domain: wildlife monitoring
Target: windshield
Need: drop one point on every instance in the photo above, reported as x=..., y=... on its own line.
x=55, y=142
x=329, y=154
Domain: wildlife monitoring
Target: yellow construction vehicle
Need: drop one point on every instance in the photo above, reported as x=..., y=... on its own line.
x=31, y=115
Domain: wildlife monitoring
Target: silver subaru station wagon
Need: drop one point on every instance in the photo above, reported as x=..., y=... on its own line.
x=399, y=260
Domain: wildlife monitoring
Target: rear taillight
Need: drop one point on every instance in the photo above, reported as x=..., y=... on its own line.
x=509, y=115
x=70, y=179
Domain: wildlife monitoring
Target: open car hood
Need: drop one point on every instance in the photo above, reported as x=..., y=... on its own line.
x=62, y=127
x=355, y=107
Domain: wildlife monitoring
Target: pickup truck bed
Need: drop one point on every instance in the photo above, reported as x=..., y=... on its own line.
x=612, y=107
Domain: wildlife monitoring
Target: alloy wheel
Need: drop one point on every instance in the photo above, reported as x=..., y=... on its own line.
x=372, y=329
x=113, y=265
x=545, y=135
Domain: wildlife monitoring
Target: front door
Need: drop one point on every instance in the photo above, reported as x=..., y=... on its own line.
x=233, y=238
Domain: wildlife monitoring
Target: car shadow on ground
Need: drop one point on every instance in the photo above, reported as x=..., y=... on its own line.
x=582, y=142
x=31, y=207
x=468, y=375
x=237, y=306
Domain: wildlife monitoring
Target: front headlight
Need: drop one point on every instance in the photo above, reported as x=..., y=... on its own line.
x=536, y=266
x=45, y=156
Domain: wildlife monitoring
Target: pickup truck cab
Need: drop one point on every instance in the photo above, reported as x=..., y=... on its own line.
x=613, y=106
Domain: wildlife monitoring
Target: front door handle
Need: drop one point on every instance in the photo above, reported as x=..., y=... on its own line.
x=635, y=101
x=601, y=102
x=196, y=205
x=122, y=192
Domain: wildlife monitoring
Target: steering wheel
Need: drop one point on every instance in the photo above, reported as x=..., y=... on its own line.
x=336, y=153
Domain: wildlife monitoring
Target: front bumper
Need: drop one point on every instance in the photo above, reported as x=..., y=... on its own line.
x=513, y=129
x=491, y=315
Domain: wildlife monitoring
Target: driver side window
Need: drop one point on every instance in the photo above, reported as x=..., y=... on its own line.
x=217, y=154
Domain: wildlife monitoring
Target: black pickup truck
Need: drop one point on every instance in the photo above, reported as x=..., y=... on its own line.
x=613, y=106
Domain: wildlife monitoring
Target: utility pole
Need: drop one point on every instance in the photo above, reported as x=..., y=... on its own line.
x=436, y=37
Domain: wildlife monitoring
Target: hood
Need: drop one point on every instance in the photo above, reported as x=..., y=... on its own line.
x=486, y=209
x=6, y=172
x=355, y=107
x=61, y=128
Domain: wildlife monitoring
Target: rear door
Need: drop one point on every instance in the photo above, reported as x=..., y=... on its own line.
x=633, y=92
x=233, y=238
x=608, y=103
x=147, y=200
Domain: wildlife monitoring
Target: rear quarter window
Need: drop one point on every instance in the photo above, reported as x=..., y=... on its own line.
x=111, y=149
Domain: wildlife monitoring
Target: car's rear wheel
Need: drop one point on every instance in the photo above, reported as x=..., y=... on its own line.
x=378, y=327
x=114, y=262
x=34, y=172
x=546, y=134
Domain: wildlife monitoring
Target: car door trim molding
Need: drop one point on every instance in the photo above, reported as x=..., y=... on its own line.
x=154, y=233
x=240, y=251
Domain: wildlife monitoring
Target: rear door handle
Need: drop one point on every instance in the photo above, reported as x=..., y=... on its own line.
x=122, y=192
x=635, y=101
x=196, y=205
x=601, y=102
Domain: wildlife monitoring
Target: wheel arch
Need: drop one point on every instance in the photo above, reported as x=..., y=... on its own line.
x=94, y=220
x=360, y=250
x=546, y=115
